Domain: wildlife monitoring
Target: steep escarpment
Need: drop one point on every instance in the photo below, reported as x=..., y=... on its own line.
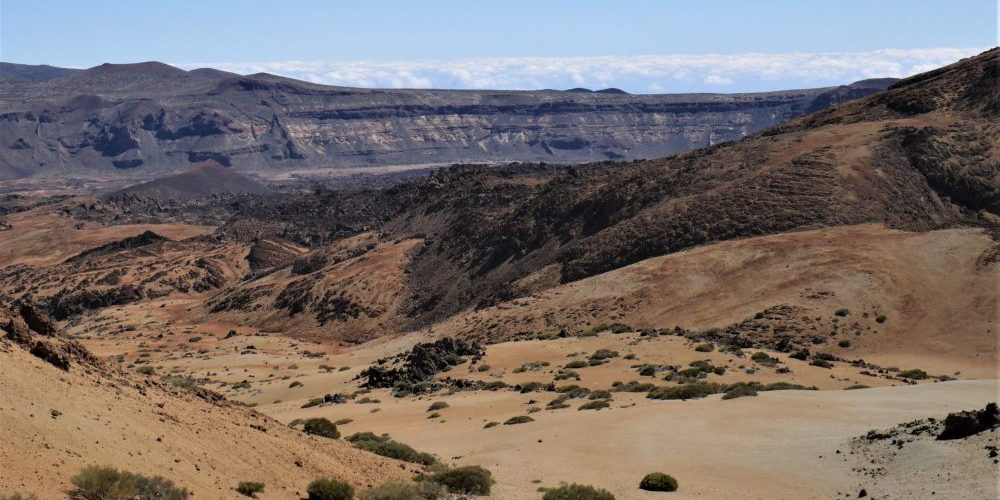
x=140, y=119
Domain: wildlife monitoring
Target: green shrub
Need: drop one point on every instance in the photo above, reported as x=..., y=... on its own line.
x=822, y=363
x=558, y=403
x=632, y=386
x=483, y=368
x=844, y=343
x=763, y=358
x=856, y=386
x=694, y=390
x=880, y=318
x=658, y=481
x=913, y=374
x=595, y=405
x=343, y=421
x=295, y=384
x=329, y=489
x=107, y=483
x=576, y=364
x=533, y=386
x=706, y=347
x=739, y=390
x=387, y=447
x=312, y=402
x=600, y=394
x=620, y=328
x=573, y=391
x=577, y=492
x=520, y=419
x=321, y=427
x=392, y=490
x=531, y=366
x=603, y=354
x=491, y=424
x=439, y=405
x=842, y=312
x=468, y=480
x=146, y=370
x=249, y=488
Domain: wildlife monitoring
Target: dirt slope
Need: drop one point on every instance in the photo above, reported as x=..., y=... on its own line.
x=56, y=421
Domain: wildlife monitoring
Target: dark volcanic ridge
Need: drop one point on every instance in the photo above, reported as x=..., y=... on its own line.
x=204, y=179
x=146, y=118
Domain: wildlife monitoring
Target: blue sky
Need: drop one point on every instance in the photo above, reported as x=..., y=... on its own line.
x=638, y=45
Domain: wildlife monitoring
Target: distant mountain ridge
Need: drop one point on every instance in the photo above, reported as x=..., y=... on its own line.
x=151, y=118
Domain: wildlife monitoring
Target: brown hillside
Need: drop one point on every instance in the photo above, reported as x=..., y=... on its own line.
x=62, y=409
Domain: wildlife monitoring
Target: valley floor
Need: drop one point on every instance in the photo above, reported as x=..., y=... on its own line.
x=785, y=444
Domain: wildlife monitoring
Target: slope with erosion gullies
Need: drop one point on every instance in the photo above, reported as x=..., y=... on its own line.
x=490, y=235
x=136, y=120
x=61, y=407
x=860, y=163
x=130, y=270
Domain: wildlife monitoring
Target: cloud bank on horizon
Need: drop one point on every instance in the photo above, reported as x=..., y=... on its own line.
x=638, y=74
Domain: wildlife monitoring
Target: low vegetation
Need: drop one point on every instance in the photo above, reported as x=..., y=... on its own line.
x=249, y=488
x=392, y=490
x=329, y=489
x=595, y=405
x=321, y=427
x=107, y=483
x=387, y=447
x=658, y=481
x=696, y=390
x=468, y=480
x=438, y=405
x=822, y=363
x=577, y=492
x=914, y=374
x=520, y=419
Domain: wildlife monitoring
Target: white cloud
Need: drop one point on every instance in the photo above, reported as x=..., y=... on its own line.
x=717, y=80
x=648, y=73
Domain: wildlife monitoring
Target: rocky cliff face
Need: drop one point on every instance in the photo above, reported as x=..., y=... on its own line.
x=150, y=117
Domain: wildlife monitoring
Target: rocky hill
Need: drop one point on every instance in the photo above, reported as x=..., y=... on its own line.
x=203, y=179
x=140, y=119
